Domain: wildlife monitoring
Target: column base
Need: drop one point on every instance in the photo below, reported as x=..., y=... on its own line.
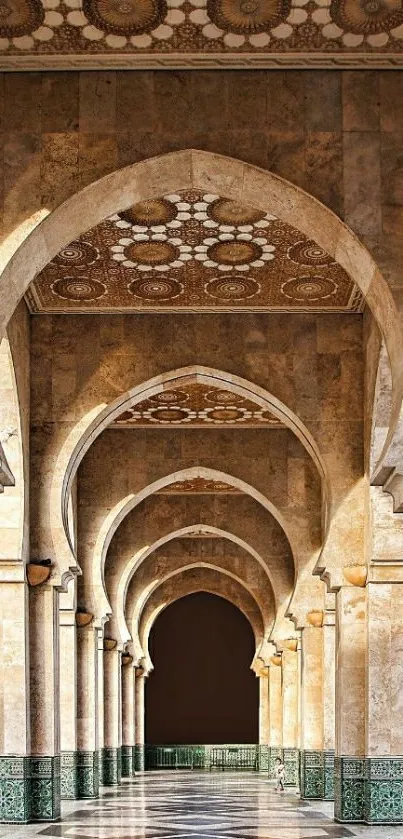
x=87, y=774
x=68, y=775
x=139, y=762
x=329, y=774
x=111, y=767
x=349, y=789
x=29, y=789
x=291, y=764
x=312, y=774
x=263, y=758
x=128, y=761
x=383, y=790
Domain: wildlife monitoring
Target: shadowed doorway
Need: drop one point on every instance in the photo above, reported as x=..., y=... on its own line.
x=202, y=689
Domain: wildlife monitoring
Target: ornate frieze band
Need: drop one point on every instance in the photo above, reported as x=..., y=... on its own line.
x=188, y=33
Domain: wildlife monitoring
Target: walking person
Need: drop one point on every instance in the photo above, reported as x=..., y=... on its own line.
x=279, y=773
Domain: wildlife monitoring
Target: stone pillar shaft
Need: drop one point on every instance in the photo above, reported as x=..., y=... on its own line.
x=68, y=702
x=351, y=642
x=264, y=722
x=140, y=721
x=312, y=759
x=128, y=719
x=87, y=710
x=290, y=715
x=112, y=753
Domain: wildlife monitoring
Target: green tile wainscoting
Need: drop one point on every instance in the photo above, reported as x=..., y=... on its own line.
x=291, y=764
x=316, y=774
x=87, y=774
x=68, y=775
x=111, y=766
x=128, y=761
x=29, y=789
x=225, y=757
x=369, y=790
x=139, y=757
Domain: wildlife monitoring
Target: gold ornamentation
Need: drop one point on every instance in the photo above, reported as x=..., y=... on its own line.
x=276, y=660
x=247, y=17
x=83, y=618
x=291, y=644
x=110, y=644
x=38, y=574
x=125, y=17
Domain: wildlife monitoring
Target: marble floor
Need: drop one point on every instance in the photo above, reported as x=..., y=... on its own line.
x=195, y=805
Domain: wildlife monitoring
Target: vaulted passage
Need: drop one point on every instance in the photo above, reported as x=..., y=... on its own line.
x=202, y=689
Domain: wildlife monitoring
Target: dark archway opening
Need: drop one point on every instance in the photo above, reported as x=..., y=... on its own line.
x=202, y=689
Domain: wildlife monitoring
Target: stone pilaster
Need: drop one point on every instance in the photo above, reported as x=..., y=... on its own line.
x=351, y=642
x=290, y=716
x=329, y=675
x=140, y=719
x=100, y=701
x=128, y=716
x=68, y=696
x=44, y=763
x=112, y=751
x=87, y=708
x=312, y=776
x=275, y=714
x=383, y=773
x=14, y=693
x=264, y=722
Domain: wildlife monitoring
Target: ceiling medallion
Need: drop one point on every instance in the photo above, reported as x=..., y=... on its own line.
x=158, y=290
x=246, y=17
x=20, y=17
x=145, y=252
x=150, y=213
x=305, y=289
x=309, y=253
x=78, y=254
x=224, y=211
x=367, y=17
x=234, y=251
x=125, y=17
x=82, y=289
x=236, y=288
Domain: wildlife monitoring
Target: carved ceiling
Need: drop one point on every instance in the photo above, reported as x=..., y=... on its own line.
x=197, y=405
x=121, y=33
x=189, y=252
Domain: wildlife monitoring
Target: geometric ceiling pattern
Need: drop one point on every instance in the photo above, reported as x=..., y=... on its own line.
x=193, y=251
x=196, y=405
x=143, y=29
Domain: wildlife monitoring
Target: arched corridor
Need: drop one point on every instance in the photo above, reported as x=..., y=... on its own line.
x=201, y=456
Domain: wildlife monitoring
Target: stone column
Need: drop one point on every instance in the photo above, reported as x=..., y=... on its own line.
x=264, y=722
x=140, y=718
x=112, y=755
x=87, y=708
x=128, y=716
x=351, y=641
x=44, y=764
x=100, y=703
x=329, y=709
x=383, y=798
x=15, y=745
x=275, y=712
x=312, y=780
x=290, y=715
x=68, y=697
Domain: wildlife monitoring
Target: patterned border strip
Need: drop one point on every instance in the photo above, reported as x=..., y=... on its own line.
x=230, y=61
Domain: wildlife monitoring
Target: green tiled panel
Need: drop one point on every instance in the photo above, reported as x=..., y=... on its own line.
x=312, y=774
x=329, y=775
x=14, y=790
x=349, y=789
x=263, y=758
x=291, y=764
x=68, y=775
x=127, y=762
x=87, y=774
x=44, y=788
x=139, y=757
x=112, y=766
x=383, y=790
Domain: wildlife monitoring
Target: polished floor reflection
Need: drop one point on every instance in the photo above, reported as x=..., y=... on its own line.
x=192, y=805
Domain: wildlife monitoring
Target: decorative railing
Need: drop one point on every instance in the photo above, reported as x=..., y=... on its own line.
x=225, y=757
